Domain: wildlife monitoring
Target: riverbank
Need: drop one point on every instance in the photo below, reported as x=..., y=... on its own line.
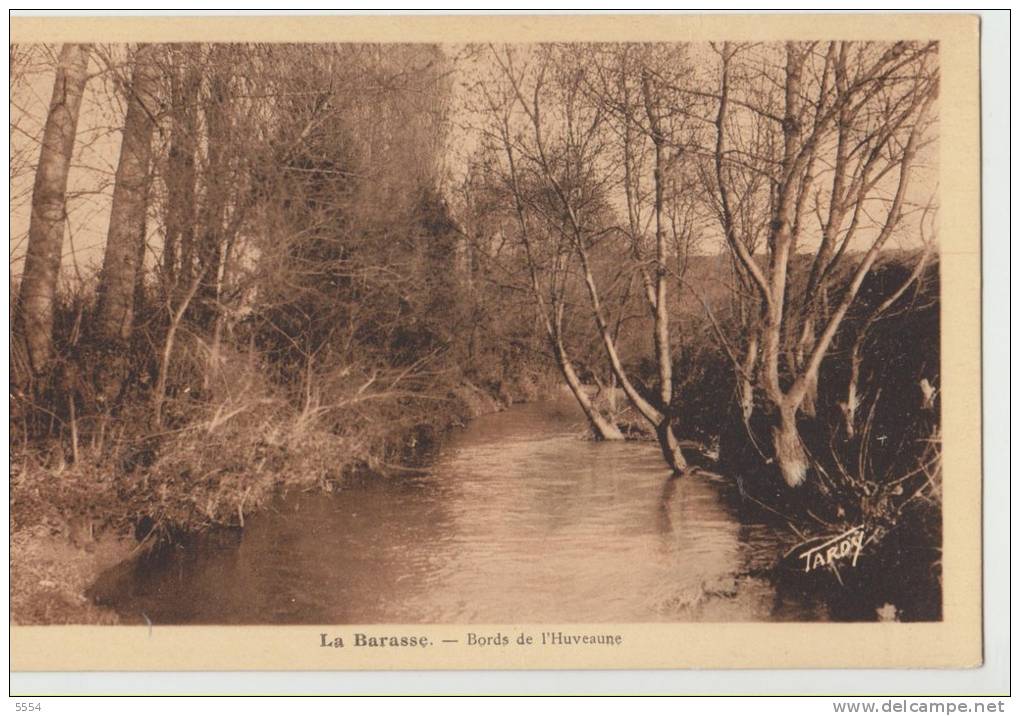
x=50, y=576
x=72, y=522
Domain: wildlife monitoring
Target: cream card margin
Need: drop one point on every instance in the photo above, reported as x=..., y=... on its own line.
x=954, y=642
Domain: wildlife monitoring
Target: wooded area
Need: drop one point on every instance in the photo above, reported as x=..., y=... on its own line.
x=319, y=258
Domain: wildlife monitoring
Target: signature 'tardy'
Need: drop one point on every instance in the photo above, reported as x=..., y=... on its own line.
x=839, y=547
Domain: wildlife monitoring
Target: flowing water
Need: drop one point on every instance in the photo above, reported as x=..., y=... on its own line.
x=517, y=519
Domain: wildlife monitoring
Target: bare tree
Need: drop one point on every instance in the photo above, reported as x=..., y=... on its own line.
x=861, y=109
x=552, y=315
x=546, y=251
x=567, y=145
x=46, y=230
x=651, y=132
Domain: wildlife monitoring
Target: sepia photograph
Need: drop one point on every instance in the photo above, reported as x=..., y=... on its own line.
x=577, y=333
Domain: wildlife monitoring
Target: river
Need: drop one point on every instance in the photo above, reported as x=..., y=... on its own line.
x=516, y=519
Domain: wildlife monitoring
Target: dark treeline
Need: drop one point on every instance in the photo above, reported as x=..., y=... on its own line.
x=319, y=257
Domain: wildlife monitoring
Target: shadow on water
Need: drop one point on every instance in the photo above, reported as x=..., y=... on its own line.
x=518, y=519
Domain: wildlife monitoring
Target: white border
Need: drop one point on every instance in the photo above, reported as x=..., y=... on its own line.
x=993, y=678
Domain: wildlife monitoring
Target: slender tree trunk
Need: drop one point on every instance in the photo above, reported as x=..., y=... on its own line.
x=663, y=354
x=802, y=350
x=659, y=420
x=746, y=385
x=159, y=394
x=46, y=227
x=602, y=428
x=809, y=405
x=670, y=447
x=127, y=214
x=852, y=396
x=652, y=414
x=138, y=290
x=218, y=180
x=178, y=247
x=789, y=451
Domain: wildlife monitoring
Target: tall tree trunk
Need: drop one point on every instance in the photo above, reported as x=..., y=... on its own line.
x=601, y=427
x=745, y=378
x=670, y=447
x=663, y=353
x=127, y=214
x=213, y=234
x=648, y=411
x=790, y=455
x=659, y=419
x=853, y=399
x=46, y=227
x=178, y=247
x=138, y=297
x=801, y=351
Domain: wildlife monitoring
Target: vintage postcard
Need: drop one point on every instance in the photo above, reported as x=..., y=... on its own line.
x=495, y=342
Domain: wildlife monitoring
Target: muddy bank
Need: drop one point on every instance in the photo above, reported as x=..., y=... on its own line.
x=50, y=576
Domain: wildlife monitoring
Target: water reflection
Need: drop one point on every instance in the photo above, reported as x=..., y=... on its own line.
x=518, y=520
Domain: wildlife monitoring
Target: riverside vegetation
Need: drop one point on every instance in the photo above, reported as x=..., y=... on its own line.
x=319, y=258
